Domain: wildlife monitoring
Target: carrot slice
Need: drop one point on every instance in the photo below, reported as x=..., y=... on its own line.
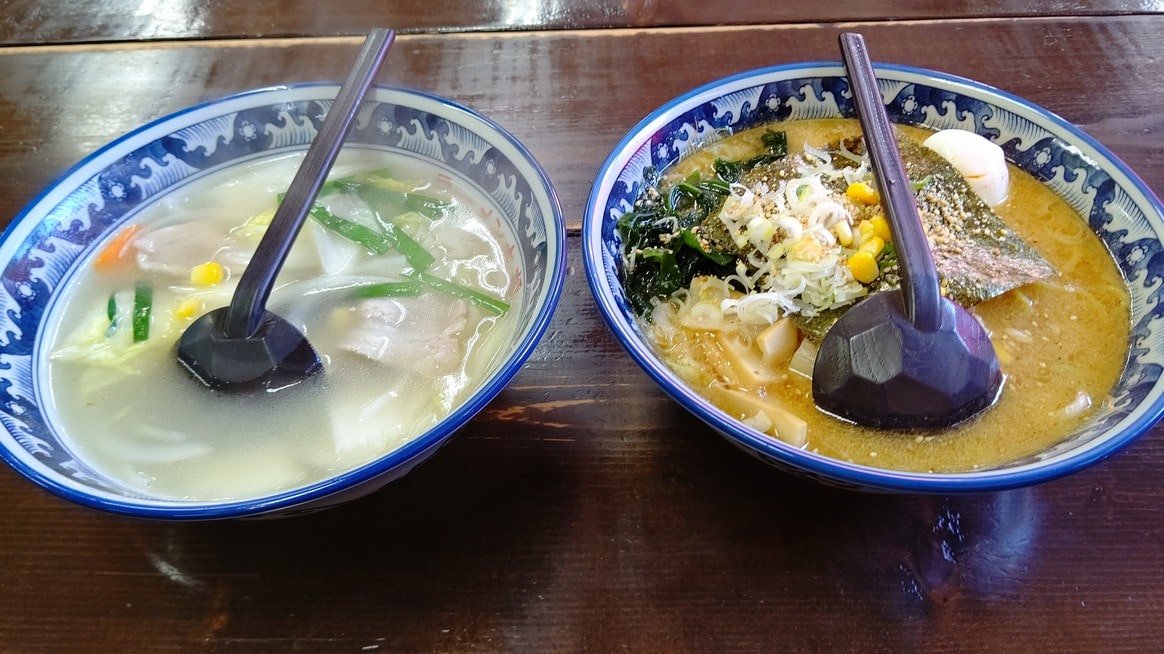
x=115, y=249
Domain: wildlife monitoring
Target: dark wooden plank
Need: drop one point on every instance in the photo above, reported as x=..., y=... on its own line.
x=571, y=96
x=583, y=510
x=593, y=515
x=72, y=21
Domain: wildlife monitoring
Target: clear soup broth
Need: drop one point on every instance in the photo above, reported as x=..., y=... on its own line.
x=400, y=352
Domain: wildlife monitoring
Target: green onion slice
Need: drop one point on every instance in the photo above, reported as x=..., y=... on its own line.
x=487, y=302
x=111, y=313
x=143, y=299
x=373, y=241
x=389, y=289
x=417, y=257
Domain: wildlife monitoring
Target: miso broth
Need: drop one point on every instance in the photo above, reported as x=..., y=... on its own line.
x=399, y=353
x=1062, y=341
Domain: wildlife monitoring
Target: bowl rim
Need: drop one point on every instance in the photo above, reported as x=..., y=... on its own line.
x=763, y=446
x=418, y=448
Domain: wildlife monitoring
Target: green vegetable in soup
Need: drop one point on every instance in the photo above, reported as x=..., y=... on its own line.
x=389, y=289
x=143, y=299
x=663, y=264
x=379, y=189
x=775, y=148
x=417, y=257
x=487, y=302
x=392, y=237
x=373, y=241
x=111, y=313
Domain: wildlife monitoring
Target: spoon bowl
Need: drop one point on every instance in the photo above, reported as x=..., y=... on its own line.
x=244, y=348
x=275, y=356
x=876, y=368
x=908, y=358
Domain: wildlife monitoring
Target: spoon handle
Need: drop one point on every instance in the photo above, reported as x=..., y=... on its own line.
x=248, y=305
x=919, y=276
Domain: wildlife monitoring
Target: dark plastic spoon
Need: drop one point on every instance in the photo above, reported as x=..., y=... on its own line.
x=907, y=358
x=244, y=347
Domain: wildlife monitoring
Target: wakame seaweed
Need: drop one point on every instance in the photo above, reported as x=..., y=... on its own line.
x=662, y=238
x=664, y=263
x=775, y=148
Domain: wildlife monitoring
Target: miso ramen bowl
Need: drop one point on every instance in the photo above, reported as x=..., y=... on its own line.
x=1117, y=206
x=60, y=230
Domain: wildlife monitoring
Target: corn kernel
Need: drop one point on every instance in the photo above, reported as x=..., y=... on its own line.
x=863, y=266
x=864, y=230
x=1003, y=354
x=881, y=227
x=862, y=193
x=207, y=274
x=873, y=245
x=188, y=308
x=806, y=249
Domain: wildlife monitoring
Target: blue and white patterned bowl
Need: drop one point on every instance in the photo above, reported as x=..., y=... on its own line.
x=1118, y=206
x=61, y=228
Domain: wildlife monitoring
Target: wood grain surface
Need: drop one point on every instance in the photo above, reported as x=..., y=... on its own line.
x=582, y=510
x=72, y=21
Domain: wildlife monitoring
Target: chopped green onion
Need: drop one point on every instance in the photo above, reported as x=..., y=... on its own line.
x=333, y=186
x=111, y=312
x=888, y=258
x=372, y=190
x=417, y=257
x=389, y=289
x=373, y=241
x=487, y=302
x=143, y=298
x=423, y=204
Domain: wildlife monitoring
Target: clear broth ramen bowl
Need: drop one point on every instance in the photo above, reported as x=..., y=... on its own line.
x=59, y=232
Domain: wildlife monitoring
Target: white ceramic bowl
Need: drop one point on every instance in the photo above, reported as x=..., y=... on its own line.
x=1118, y=206
x=59, y=230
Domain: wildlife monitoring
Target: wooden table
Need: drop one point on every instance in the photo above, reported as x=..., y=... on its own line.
x=583, y=510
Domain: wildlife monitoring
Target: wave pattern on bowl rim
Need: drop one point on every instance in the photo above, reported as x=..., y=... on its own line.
x=1123, y=212
x=107, y=189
